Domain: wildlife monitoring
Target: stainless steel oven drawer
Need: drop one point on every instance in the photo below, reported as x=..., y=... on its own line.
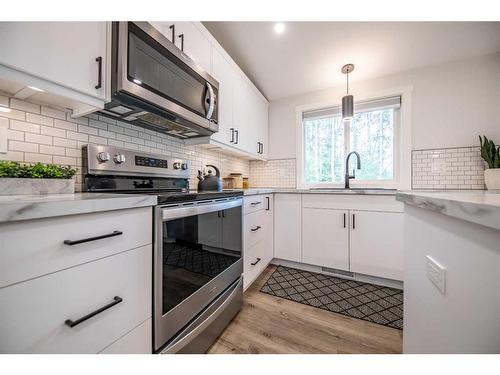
x=200, y=334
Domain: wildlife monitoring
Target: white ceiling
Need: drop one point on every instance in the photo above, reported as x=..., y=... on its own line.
x=308, y=55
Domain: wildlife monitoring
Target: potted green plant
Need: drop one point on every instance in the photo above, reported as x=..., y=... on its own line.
x=35, y=179
x=491, y=155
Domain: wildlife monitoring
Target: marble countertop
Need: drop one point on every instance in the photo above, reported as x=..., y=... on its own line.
x=477, y=206
x=355, y=191
x=27, y=207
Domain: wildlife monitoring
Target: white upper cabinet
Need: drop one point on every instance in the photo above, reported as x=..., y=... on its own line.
x=223, y=73
x=194, y=44
x=70, y=54
x=188, y=38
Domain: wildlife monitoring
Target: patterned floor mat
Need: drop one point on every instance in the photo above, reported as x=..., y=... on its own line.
x=374, y=303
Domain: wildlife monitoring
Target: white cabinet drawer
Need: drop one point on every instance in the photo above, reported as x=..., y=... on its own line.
x=36, y=247
x=255, y=227
x=137, y=341
x=33, y=313
x=254, y=263
x=254, y=203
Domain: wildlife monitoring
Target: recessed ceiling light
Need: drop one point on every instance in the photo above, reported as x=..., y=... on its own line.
x=279, y=27
x=35, y=88
x=3, y=109
x=137, y=81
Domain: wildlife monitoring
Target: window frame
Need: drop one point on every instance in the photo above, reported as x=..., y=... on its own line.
x=402, y=144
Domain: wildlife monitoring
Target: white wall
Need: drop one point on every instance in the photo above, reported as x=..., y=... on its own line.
x=452, y=104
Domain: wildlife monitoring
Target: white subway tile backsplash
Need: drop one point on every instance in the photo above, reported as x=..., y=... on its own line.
x=273, y=173
x=54, y=137
x=452, y=168
x=39, y=119
x=24, y=126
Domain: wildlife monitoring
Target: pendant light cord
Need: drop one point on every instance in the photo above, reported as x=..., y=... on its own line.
x=347, y=83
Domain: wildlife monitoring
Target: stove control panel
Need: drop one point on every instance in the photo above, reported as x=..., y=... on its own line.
x=133, y=163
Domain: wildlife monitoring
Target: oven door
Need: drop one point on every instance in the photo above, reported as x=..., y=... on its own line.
x=198, y=255
x=153, y=69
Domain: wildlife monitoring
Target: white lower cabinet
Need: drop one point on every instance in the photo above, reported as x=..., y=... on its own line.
x=325, y=238
x=377, y=244
x=137, y=341
x=35, y=315
x=360, y=234
x=257, y=237
x=288, y=227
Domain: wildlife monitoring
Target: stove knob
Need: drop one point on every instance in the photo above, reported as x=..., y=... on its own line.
x=177, y=165
x=184, y=166
x=119, y=158
x=103, y=157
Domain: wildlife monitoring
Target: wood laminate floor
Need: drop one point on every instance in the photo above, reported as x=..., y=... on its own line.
x=268, y=324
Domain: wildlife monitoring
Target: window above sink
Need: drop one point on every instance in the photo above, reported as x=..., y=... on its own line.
x=375, y=132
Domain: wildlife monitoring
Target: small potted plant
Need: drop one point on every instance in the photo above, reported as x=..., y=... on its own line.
x=491, y=155
x=35, y=179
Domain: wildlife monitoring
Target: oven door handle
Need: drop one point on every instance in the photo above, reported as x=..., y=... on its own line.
x=170, y=213
x=181, y=342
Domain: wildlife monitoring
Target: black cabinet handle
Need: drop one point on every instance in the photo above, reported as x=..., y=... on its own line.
x=258, y=147
x=353, y=221
x=268, y=204
x=74, y=323
x=255, y=203
x=237, y=132
x=257, y=261
x=218, y=214
x=344, y=219
x=99, y=72
x=256, y=228
x=172, y=27
x=261, y=147
x=182, y=41
x=115, y=233
x=232, y=135
x=223, y=213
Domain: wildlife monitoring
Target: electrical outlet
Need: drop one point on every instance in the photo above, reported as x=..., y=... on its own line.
x=4, y=124
x=436, y=273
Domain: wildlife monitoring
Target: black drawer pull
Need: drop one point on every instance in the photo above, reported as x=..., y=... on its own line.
x=72, y=323
x=257, y=261
x=256, y=228
x=71, y=243
x=99, y=72
x=255, y=203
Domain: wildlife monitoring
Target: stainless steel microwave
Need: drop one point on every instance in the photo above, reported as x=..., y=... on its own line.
x=157, y=86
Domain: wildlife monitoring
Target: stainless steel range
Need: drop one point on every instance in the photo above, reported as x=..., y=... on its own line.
x=197, y=260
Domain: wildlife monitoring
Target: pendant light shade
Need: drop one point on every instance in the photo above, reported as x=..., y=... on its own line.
x=348, y=100
x=347, y=107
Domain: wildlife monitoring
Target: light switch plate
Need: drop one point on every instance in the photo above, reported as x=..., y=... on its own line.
x=436, y=273
x=4, y=124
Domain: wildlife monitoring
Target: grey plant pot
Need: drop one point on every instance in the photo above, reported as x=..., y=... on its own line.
x=36, y=186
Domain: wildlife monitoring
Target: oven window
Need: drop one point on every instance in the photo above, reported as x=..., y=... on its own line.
x=196, y=249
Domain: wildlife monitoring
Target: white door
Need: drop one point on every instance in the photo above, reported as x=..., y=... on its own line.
x=196, y=46
x=287, y=227
x=263, y=122
x=223, y=72
x=377, y=243
x=65, y=53
x=325, y=238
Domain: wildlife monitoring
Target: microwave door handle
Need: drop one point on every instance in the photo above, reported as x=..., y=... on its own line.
x=211, y=101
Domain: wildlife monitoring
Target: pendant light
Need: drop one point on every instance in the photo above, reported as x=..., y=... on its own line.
x=347, y=100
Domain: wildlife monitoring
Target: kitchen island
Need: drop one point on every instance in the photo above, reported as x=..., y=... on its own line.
x=451, y=272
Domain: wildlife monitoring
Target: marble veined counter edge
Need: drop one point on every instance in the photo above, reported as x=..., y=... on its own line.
x=476, y=206
x=28, y=207
x=259, y=191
